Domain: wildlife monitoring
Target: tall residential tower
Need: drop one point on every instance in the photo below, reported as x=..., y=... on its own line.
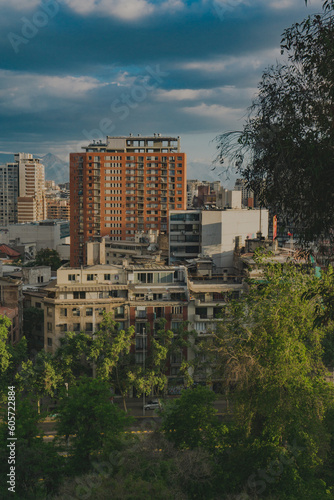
x=124, y=185
x=22, y=188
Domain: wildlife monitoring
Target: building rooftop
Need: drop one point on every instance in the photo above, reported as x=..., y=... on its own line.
x=10, y=252
x=139, y=144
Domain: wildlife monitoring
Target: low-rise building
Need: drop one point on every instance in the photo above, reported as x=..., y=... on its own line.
x=11, y=304
x=213, y=233
x=45, y=234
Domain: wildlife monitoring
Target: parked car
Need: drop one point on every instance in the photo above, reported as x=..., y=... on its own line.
x=152, y=404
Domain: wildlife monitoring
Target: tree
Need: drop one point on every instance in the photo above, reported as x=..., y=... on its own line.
x=33, y=319
x=285, y=150
x=11, y=357
x=191, y=421
x=152, y=375
x=94, y=422
x=72, y=358
x=38, y=466
x=111, y=353
x=269, y=342
x=48, y=257
x=38, y=377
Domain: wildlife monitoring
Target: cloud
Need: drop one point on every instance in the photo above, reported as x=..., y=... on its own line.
x=20, y=5
x=212, y=111
x=66, y=76
x=131, y=10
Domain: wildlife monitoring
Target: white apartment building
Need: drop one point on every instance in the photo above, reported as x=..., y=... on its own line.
x=213, y=233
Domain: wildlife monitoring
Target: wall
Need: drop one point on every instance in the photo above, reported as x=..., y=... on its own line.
x=219, y=229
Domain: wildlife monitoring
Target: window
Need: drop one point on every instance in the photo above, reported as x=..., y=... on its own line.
x=159, y=312
x=76, y=327
x=89, y=311
x=107, y=277
x=175, y=326
x=63, y=312
x=90, y=277
x=141, y=343
x=38, y=304
x=79, y=295
x=49, y=341
x=76, y=311
x=49, y=326
x=139, y=357
x=63, y=327
x=140, y=328
x=145, y=277
x=89, y=327
x=71, y=277
x=177, y=310
x=119, y=312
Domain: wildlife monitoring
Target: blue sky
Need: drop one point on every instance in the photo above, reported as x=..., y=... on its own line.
x=76, y=70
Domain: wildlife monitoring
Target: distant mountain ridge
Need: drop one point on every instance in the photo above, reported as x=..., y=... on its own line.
x=56, y=169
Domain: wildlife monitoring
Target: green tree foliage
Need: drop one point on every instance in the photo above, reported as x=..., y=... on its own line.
x=4, y=352
x=38, y=467
x=269, y=344
x=33, y=319
x=111, y=352
x=38, y=377
x=144, y=469
x=11, y=357
x=285, y=150
x=73, y=358
x=164, y=343
x=94, y=422
x=191, y=421
x=48, y=257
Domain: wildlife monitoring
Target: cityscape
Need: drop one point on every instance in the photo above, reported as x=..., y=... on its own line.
x=166, y=294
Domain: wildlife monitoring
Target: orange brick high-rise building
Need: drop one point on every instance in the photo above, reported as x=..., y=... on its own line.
x=122, y=186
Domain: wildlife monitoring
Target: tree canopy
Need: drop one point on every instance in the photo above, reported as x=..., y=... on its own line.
x=48, y=257
x=285, y=150
x=272, y=350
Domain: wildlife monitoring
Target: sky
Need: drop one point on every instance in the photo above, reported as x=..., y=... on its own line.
x=76, y=70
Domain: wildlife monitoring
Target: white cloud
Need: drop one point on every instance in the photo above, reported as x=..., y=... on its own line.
x=33, y=92
x=212, y=110
x=254, y=61
x=67, y=86
x=291, y=4
x=128, y=11
x=20, y=4
x=183, y=94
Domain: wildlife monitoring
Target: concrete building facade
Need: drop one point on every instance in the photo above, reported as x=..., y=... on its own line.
x=122, y=186
x=44, y=234
x=11, y=306
x=213, y=233
x=31, y=204
x=22, y=190
x=136, y=295
x=9, y=185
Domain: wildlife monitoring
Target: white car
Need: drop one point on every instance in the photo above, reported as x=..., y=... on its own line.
x=153, y=404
